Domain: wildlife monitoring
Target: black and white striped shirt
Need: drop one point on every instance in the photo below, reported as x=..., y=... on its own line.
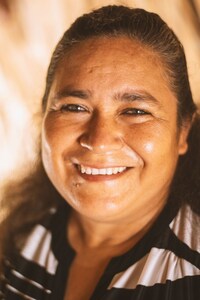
x=164, y=265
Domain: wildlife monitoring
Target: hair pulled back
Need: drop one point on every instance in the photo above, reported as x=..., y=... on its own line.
x=35, y=195
x=137, y=24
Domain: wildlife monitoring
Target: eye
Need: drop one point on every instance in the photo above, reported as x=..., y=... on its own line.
x=135, y=112
x=75, y=108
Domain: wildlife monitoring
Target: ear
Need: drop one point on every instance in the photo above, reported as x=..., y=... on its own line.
x=183, y=135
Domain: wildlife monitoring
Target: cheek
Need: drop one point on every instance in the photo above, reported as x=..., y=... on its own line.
x=149, y=147
x=51, y=131
x=59, y=142
x=154, y=144
x=61, y=130
x=51, y=146
x=143, y=139
x=54, y=136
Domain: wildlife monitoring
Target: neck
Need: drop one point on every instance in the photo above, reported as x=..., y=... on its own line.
x=116, y=238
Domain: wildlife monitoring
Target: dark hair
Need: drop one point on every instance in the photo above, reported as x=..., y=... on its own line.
x=137, y=24
x=150, y=30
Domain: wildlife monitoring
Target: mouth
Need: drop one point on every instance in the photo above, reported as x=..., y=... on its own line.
x=101, y=173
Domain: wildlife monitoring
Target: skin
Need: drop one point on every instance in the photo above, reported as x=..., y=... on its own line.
x=123, y=114
x=110, y=105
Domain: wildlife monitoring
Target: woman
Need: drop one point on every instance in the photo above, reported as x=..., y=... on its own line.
x=120, y=144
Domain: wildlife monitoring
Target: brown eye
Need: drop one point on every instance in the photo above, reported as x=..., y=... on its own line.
x=135, y=112
x=72, y=108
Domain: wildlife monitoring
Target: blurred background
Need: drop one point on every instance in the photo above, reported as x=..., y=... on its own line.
x=29, y=31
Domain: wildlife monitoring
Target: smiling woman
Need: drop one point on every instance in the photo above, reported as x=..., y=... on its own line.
x=107, y=216
x=142, y=120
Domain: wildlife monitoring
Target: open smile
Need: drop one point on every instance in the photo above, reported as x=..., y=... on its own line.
x=100, y=173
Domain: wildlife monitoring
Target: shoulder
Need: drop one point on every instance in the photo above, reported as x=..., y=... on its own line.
x=36, y=250
x=32, y=270
x=172, y=264
x=186, y=227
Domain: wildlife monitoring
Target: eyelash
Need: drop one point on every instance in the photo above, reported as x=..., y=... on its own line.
x=73, y=108
x=135, y=112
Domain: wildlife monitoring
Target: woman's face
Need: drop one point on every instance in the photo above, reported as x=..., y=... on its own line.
x=110, y=141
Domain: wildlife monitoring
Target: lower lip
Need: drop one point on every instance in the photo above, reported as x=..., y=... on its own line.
x=101, y=177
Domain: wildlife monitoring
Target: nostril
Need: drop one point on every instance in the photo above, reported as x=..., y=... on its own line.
x=86, y=145
x=107, y=144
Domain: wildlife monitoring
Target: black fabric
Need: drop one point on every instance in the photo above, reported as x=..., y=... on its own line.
x=183, y=289
x=36, y=276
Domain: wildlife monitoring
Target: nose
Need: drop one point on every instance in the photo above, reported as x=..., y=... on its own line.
x=102, y=136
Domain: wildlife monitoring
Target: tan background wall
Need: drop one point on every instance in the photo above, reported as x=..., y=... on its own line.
x=28, y=32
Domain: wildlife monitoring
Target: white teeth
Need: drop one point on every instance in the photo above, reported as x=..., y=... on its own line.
x=95, y=172
x=109, y=171
x=88, y=171
x=103, y=171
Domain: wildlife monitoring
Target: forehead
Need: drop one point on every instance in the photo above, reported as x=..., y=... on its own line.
x=102, y=50
x=112, y=63
x=102, y=56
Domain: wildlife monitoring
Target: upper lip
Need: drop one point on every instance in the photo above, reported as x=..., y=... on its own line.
x=101, y=166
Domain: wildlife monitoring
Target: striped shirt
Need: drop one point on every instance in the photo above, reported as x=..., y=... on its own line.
x=163, y=265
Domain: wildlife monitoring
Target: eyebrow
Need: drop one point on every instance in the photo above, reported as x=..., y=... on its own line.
x=137, y=95
x=69, y=92
x=130, y=96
